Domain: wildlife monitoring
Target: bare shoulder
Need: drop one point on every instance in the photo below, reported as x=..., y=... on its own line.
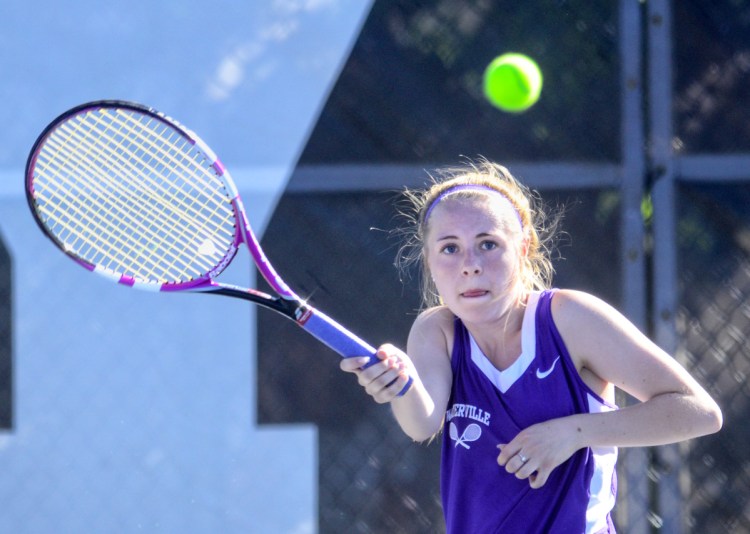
x=590, y=327
x=601, y=340
x=578, y=311
x=436, y=317
x=608, y=349
x=432, y=329
x=571, y=301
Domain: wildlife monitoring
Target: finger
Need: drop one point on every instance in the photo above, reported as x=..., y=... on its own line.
x=538, y=479
x=506, y=453
x=386, y=351
x=375, y=371
x=526, y=470
x=391, y=391
x=352, y=365
x=381, y=382
x=513, y=465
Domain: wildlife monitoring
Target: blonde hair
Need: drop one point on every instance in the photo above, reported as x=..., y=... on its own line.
x=536, y=269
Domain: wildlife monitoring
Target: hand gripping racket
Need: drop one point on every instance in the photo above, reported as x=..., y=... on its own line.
x=132, y=195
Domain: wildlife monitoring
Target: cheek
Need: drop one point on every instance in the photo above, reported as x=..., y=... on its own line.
x=441, y=263
x=436, y=272
x=432, y=260
x=442, y=271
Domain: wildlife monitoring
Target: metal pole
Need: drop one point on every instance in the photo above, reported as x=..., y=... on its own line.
x=668, y=459
x=632, y=508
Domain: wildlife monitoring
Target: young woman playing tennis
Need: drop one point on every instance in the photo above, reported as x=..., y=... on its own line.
x=520, y=377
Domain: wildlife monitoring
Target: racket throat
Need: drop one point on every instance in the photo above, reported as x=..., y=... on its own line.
x=296, y=310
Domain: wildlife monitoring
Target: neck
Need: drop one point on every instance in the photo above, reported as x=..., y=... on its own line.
x=500, y=340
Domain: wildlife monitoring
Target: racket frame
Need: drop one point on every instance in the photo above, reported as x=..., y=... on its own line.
x=287, y=302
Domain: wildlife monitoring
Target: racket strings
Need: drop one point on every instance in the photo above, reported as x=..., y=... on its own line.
x=167, y=216
x=169, y=198
x=87, y=207
x=181, y=153
x=170, y=159
x=104, y=222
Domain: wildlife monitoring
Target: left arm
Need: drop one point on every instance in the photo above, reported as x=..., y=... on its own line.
x=602, y=342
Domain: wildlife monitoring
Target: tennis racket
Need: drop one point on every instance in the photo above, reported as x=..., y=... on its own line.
x=136, y=197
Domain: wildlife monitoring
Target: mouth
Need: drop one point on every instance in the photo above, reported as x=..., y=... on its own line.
x=474, y=293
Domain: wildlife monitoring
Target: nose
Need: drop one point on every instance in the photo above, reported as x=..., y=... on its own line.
x=472, y=264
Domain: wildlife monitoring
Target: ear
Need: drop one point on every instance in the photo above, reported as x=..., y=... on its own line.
x=524, y=248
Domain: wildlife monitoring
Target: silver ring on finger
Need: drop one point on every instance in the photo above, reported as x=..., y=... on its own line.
x=522, y=458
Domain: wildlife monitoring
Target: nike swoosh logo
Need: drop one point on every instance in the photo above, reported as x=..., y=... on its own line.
x=544, y=374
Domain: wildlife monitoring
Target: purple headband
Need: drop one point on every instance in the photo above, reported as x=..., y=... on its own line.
x=470, y=187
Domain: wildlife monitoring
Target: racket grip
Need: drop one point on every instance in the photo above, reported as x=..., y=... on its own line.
x=338, y=338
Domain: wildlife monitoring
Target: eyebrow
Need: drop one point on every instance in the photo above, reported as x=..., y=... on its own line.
x=451, y=236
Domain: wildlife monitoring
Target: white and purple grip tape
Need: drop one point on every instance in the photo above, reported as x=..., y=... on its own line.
x=342, y=341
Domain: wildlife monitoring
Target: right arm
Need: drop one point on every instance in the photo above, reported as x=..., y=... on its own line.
x=421, y=410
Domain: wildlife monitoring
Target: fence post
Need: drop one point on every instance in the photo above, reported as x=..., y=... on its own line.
x=669, y=463
x=632, y=508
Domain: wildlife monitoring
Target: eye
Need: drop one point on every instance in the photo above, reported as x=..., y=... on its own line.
x=449, y=249
x=488, y=245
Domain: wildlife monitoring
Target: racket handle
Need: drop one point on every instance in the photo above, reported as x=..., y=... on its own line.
x=338, y=338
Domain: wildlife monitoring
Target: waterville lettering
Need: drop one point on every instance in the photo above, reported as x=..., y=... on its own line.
x=468, y=411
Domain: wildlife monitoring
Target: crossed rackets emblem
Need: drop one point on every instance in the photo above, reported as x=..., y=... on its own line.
x=470, y=433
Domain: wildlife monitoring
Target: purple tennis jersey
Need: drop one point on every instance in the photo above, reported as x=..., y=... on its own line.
x=488, y=407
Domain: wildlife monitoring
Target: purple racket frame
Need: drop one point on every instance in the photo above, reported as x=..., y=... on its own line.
x=289, y=304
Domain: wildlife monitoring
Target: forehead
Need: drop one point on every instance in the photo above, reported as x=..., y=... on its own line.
x=490, y=210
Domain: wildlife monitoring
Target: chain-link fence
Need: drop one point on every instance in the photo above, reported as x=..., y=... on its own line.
x=714, y=325
x=709, y=475
x=372, y=478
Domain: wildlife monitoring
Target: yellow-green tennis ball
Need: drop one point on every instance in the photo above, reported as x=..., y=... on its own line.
x=512, y=82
